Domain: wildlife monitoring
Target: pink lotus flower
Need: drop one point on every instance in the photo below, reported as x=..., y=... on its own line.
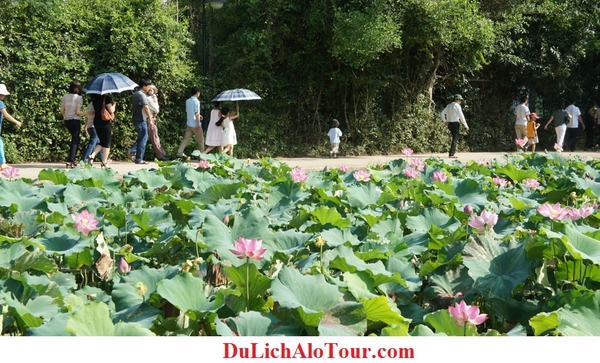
x=439, y=176
x=520, y=142
x=578, y=213
x=362, y=175
x=299, y=175
x=554, y=212
x=531, y=183
x=485, y=221
x=343, y=168
x=226, y=219
x=11, y=172
x=411, y=173
x=248, y=248
x=85, y=222
x=501, y=182
x=417, y=163
x=464, y=313
x=482, y=162
x=124, y=266
x=204, y=164
x=407, y=151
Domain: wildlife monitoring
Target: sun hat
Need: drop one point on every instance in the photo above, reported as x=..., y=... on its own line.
x=534, y=115
x=458, y=97
x=3, y=90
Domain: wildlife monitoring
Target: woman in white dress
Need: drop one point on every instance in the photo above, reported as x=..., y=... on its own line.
x=229, y=136
x=214, y=133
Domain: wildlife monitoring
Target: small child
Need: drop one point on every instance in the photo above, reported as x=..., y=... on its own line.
x=334, y=138
x=229, y=135
x=532, y=127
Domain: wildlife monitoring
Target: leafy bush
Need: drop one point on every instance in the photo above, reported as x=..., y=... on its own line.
x=382, y=251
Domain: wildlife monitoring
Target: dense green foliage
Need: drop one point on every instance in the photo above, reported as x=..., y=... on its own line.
x=379, y=251
x=384, y=68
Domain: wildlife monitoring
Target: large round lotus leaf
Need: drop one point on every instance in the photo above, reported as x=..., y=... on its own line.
x=497, y=267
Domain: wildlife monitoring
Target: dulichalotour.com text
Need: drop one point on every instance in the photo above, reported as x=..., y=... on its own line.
x=312, y=351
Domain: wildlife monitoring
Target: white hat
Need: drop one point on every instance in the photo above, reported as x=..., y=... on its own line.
x=3, y=90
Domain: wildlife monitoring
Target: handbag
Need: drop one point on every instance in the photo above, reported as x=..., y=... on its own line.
x=105, y=113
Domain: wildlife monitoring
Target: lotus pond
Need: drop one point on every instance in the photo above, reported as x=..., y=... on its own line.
x=223, y=247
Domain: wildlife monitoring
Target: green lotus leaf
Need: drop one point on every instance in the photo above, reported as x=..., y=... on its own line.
x=200, y=180
x=250, y=324
x=381, y=309
x=57, y=326
x=497, y=267
x=150, y=276
x=581, y=317
x=152, y=219
x=117, y=216
x=125, y=295
x=345, y=319
x=9, y=253
x=63, y=242
x=326, y=215
x=36, y=260
x=387, y=226
x=131, y=329
x=517, y=175
x=431, y=217
x=360, y=285
x=313, y=294
x=22, y=203
x=585, y=184
x=344, y=259
x=397, y=166
x=23, y=316
x=94, y=320
x=361, y=196
x=186, y=292
x=335, y=237
x=419, y=331
x=289, y=189
x=151, y=179
x=217, y=235
x=469, y=191
x=442, y=322
x=451, y=282
x=287, y=241
x=143, y=314
x=29, y=220
x=248, y=275
x=77, y=195
x=580, y=246
x=217, y=191
x=57, y=177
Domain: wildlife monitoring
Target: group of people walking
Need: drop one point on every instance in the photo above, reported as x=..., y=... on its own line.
x=145, y=109
x=567, y=122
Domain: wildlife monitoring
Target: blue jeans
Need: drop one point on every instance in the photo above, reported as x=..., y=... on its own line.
x=2, y=158
x=139, y=148
x=94, y=140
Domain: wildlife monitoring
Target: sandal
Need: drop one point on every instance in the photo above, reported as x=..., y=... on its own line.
x=90, y=160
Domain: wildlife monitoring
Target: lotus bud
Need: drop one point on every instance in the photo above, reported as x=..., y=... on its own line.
x=141, y=288
x=468, y=209
x=127, y=249
x=320, y=242
x=226, y=219
x=124, y=266
x=573, y=196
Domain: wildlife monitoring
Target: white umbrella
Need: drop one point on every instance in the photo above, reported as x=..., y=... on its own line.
x=109, y=83
x=238, y=94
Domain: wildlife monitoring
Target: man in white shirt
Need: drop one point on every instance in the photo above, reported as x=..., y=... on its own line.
x=522, y=117
x=573, y=126
x=452, y=115
x=193, y=125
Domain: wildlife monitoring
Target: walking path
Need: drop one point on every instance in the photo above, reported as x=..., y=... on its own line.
x=32, y=170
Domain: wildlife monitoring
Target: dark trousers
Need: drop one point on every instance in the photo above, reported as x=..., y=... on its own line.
x=590, y=132
x=454, y=127
x=74, y=127
x=571, y=138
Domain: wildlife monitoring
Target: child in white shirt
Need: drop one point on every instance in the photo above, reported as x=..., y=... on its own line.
x=334, y=138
